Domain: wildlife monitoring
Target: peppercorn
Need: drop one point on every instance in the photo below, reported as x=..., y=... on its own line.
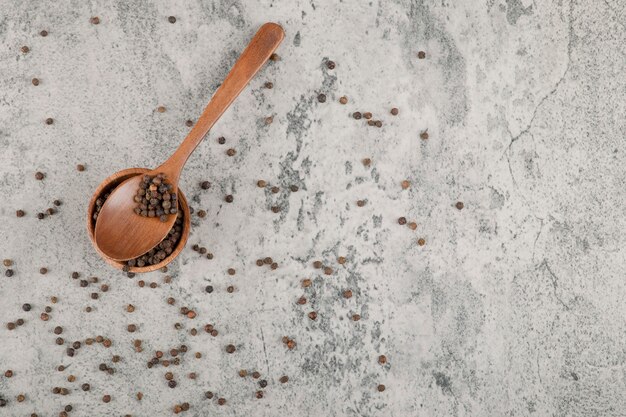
x=94, y=295
x=130, y=308
x=49, y=121
x=268, y=85
x=301, y=300
x=35, y=81
x=189, y=123
x=192, y=375
x=205, y=185
x=25, y=49
x=317, y=264
x=230, y=289
x=8, y=373
x=405, y=184
x=347, y=294
x=172, y=384
x=57, y=203
x=209, y=289
x=283, y=379
x=394, y=111
x=382, y=359
x=421, y=241
x=161, y=109
x=259, y=262
x=171, y=19
x=39, y=176
x=313, y=315
x=424, y=135
x=229, y=198
x=356, y=317
x=221, y=401
x=26, y=307
x=343, y=100
x=139, y=396
x=356, y=115
x=231, y=271
x=221, y=140
x=208, y=394
x=201, y=214
x=269, y=120
x=59, y=341
x=381, y=388
x=321, y=98
x=44, y=317
x=459, y=205
x=20, y=398
x=256, y=375
x=328, y=270
x=44, y=33
x=360, y=203
x=231, y=152
x=421, y=54
x=263, y=383
x=275, y=190
x=131, y=328
x=94, y=20
x=412, y=225
x=106, y=398
x=306, y=283
x=259, y=394
x=402, y=220
x=275, y=57
x=209, y=255
x=19, y=213
x=80, y=167
x=243, y=373
x=230, y=349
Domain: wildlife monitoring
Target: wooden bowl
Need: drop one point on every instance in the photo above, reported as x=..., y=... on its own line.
x=108, y=185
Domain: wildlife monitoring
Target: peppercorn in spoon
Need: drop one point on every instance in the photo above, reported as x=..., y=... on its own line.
x=131, y=222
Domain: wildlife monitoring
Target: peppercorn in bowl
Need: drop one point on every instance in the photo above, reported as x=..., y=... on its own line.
x=165, y=252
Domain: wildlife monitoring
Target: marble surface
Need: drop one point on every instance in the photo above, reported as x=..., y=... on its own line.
x=513, y=307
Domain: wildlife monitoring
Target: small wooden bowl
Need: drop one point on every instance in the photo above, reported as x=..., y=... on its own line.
x=108, y=185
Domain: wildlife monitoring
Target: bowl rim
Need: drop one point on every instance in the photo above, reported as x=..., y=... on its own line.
x=120, y=176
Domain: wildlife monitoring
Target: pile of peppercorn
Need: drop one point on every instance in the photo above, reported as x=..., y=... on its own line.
x=155, y=198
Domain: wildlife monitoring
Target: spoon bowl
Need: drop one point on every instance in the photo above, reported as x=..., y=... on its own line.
x=110, y=184
x=122, y=234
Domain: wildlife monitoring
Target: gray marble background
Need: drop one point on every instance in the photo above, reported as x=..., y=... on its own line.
x=513, y=307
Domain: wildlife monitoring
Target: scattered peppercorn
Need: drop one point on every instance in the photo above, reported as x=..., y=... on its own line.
x=402, y=221
x=343, y=100
x=35, y=81
x=424, y=135
x=360, y=203
x=356, y=115
x=95, y=20
x=394, y=111
x=171, y=19
x=44, y=33
x=459, y=205
x=19, y=213
x=230, y=348
x=221, y=140
x=49, y=121
x=231, y=152
x=421, y=54
x=405, y=184
x=26, y=307
x=39, y=176
x=106, y=398
x=229, y=198
x=421, y=241
x=268, y=85
x=321, y=98
x=205, y=185
x=382, y=359
x=313, y=315
x=381, y=388
x=347, y=294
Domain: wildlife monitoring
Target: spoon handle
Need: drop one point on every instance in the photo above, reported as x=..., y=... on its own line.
x=258, y=51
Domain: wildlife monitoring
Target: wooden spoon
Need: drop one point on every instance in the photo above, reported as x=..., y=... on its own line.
x=121, y=233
